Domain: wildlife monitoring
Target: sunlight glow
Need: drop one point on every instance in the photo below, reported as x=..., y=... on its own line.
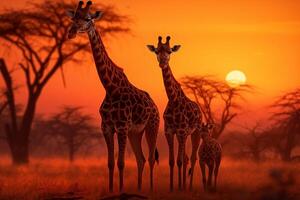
x=236, y=78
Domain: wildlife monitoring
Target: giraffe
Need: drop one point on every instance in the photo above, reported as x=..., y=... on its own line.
x=125, y=110
x=182, y=116
x=210, y=154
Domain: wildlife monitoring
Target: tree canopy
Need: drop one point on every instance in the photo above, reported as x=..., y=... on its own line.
x=217, y=100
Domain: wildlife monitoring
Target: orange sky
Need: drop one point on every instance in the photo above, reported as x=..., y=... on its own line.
x=259, y=37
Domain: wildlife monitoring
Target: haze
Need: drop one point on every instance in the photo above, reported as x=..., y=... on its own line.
x=260, y=38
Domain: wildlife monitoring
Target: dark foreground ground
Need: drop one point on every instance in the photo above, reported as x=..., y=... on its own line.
x=87, y=179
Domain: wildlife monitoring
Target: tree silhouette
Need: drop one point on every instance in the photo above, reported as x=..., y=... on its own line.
x=286, y=116
x=40, y=35
x=71, y=128
x=210, y=94
x=252, y=142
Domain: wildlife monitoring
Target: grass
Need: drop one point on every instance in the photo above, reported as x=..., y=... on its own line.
x=87, y=178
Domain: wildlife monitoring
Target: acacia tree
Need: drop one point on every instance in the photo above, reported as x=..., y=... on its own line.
x=71, y=128
x=211, y=94
x=286, y=116
x=39, y=34
x=252, y=142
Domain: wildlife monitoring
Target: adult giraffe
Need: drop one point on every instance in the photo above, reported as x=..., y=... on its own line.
x=182, y=116
x=126, y=110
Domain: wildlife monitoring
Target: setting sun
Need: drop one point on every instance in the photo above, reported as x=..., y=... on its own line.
x=236, y=77
x=102, y=99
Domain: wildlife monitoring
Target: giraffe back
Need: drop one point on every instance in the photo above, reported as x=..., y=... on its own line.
x=210, y=150
x=128, y=105
x=182, y=114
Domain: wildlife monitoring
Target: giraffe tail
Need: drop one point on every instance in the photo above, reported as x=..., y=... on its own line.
x=156, y=156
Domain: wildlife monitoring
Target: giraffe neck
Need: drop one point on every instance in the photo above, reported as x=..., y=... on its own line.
x=110, y=74
x=172, y=87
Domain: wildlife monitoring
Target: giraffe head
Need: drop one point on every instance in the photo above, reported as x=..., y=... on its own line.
x=82, y=19
x=163, y=51
x=206, y=130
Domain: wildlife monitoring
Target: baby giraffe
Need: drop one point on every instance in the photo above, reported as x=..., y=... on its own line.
x=210, y=153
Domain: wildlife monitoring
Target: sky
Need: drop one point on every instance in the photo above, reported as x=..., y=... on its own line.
x=259, y=37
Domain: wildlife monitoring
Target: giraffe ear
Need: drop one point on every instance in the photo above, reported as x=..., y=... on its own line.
x=70, y=13
x=151, y=48
x=97, y=15
x=175, y=48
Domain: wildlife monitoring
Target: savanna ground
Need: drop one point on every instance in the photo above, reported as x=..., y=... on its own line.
x=87, y=179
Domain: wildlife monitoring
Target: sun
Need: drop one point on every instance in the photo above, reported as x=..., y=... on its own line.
x=236, y=78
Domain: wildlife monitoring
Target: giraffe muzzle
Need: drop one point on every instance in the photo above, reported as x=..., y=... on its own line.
x=162, y=64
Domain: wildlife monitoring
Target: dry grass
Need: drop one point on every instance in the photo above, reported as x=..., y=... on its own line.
x=45, y=179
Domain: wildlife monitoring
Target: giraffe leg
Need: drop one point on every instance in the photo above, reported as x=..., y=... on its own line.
x=210, y=171
x=184, y=172
x=195, y=137
x=180, y=157
x=122, y=139
x=202, y=166
x=151, y=137
x=170, y=139
x=135, y=141
x=109, y=140
x=218, y=161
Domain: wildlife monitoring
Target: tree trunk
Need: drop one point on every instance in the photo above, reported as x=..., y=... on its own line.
x=18, y=135
x=20, y=155
x=287, y=151
x=19, y=147
x=71, y=148
x=19, y=140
